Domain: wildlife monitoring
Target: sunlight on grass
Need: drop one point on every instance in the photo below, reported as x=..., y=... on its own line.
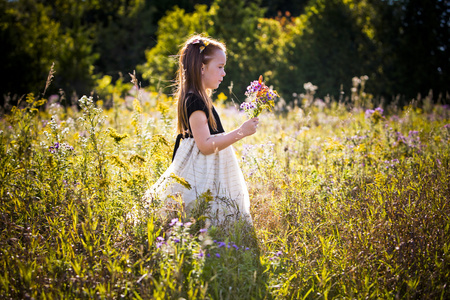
x=347, y=202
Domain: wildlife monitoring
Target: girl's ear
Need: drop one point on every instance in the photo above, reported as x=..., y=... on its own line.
x=203, y=68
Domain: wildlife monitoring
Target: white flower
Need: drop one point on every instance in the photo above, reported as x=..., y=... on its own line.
x=356, y=81
x=309, y=87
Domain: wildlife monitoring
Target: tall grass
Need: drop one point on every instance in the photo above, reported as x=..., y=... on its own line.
x=346, y=202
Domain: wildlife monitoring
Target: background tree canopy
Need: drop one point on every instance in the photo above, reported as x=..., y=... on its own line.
x=403, y=45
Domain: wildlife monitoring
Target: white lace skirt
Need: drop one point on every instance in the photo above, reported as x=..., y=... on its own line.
x=217, y=173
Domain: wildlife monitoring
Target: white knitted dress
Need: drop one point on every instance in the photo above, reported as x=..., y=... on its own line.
x=218, y=173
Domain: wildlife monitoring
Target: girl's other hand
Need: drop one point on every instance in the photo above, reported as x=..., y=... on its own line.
x=249, y=127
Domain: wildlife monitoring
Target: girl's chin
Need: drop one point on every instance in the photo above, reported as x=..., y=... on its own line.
x=215, y=87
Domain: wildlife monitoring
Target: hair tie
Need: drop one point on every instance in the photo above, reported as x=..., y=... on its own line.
x=203, y=44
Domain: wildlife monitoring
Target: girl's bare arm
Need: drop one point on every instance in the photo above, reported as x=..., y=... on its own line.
x=208, y=144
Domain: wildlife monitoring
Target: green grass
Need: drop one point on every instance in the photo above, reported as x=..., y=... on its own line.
x=345, y=204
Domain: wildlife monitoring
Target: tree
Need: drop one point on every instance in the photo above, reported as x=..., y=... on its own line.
x=274, y=7
x=233, y=22
x=30, y=43
x=173, y=29
x=83, y=38
x=413, y=39
x=122, y=37
x=329, y=46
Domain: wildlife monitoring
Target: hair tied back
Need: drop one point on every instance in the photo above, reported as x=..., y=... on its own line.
x=203, y=44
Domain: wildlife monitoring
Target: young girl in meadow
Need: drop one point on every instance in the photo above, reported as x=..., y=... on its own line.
x=203, y=155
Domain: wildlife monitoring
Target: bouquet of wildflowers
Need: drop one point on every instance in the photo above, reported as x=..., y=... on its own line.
x=259, y=97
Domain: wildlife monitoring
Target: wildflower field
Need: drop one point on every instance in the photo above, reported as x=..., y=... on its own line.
x=348, y=200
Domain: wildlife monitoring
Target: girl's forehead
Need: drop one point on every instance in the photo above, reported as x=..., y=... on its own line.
x=219, y=56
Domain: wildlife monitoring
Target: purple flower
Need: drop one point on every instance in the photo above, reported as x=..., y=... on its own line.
x=401, y=137
x=173, y=222
x=203, y=230
x=217, y=255
x=235, y=247
x=159, y=238
x=260, y=96
x=380, y=110
x=176, y=240
x=221, y=244
x=248, y=106
x=188, y=224
x=279, y=253
x=200, y=254
x=447, y=126
x=369, y=113
x=376, y=113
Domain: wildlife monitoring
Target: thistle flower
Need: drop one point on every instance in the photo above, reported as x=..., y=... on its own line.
x=259, y=97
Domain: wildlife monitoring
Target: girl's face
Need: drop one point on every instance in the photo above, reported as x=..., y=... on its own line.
x=214, y=71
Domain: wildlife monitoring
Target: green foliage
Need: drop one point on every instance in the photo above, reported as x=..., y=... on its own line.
x=345, y=202
x=232, y=22
x=329, y=48
x=233, y=262
x=329, y=43
x=398, y=27
x=30, y=41
x=350, y=197
x=173, y=29
x=81, y=38
x=322, y=42
x=123, y=35
x=235, y=22
x=181, y=263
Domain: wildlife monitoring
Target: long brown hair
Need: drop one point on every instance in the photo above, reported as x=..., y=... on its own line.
x=197, y=51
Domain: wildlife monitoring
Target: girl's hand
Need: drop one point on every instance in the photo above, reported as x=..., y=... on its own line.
x=249, y=127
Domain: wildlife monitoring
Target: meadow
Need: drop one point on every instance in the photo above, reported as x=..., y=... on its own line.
x=349, y=199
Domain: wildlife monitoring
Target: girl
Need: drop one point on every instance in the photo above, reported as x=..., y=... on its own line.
x=203, y=155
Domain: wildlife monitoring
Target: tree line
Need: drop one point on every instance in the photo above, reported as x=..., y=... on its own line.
x=401, y=45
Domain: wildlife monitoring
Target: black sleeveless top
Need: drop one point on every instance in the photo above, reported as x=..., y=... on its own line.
x=194, y=103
